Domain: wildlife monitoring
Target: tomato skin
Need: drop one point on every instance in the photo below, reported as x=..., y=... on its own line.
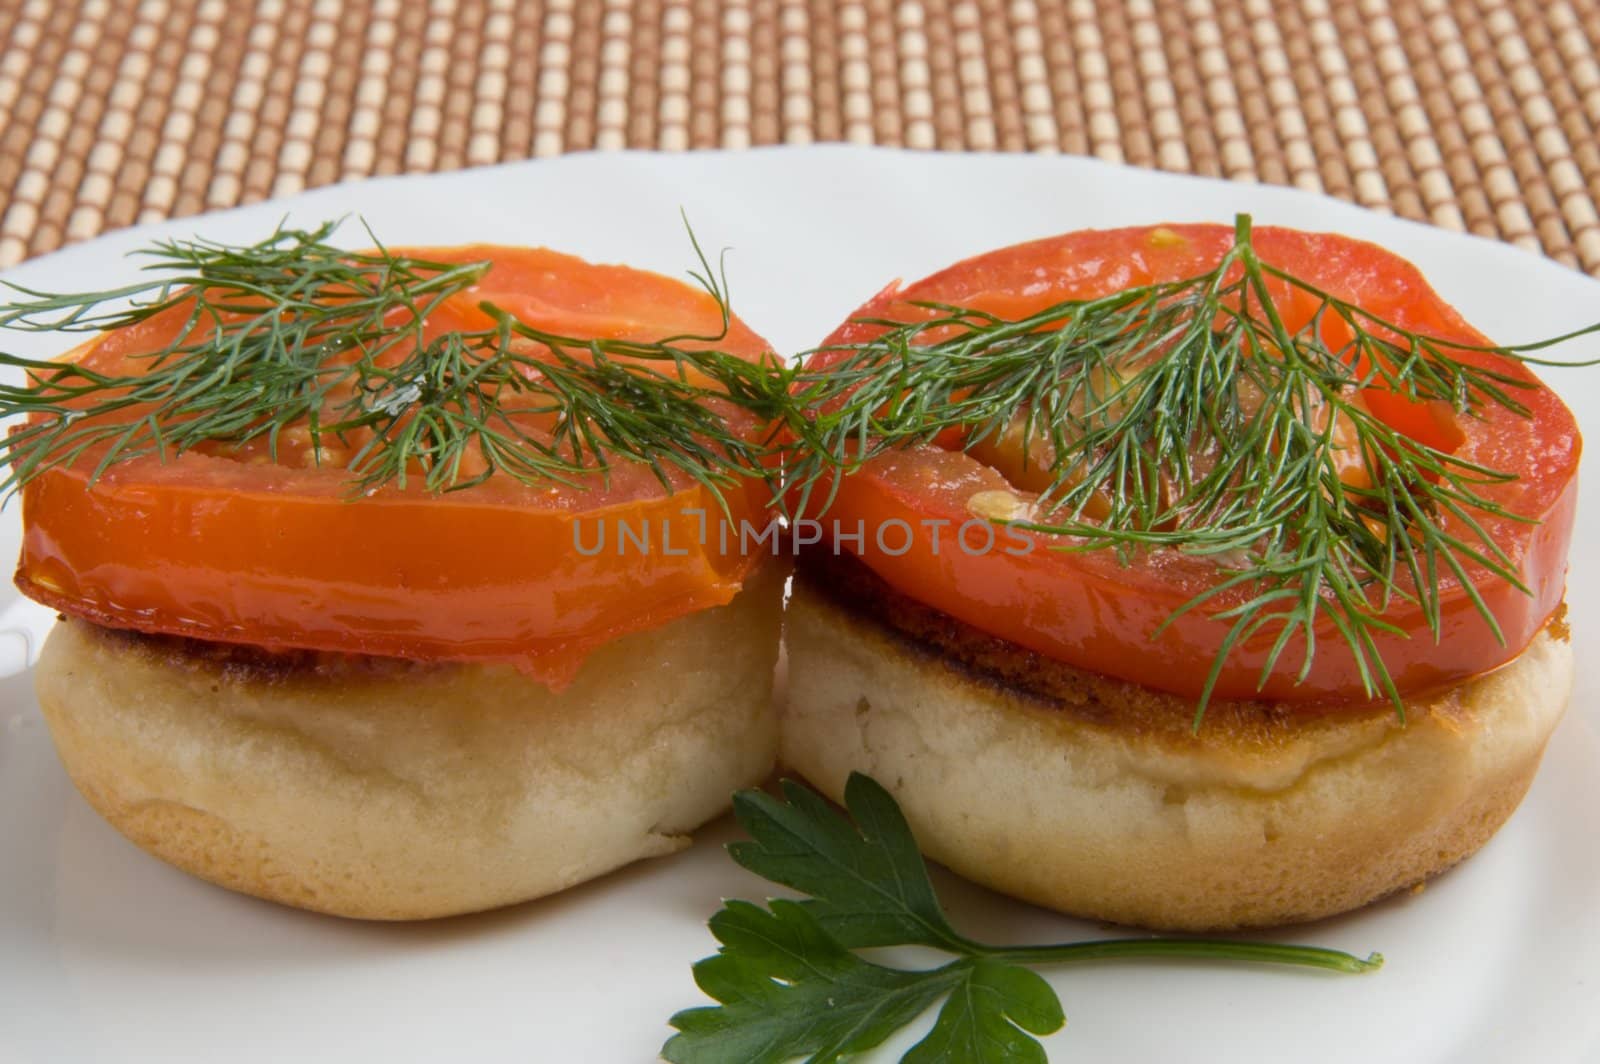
x=278, y=555
x=1089, y=610
x=564, y=294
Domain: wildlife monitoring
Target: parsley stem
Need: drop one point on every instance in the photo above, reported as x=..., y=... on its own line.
x=1209, y=949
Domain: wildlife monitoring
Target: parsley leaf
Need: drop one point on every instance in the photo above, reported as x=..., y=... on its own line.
x=980, y=1019
x=788, y=990
x=789, y=986
x=867, y=882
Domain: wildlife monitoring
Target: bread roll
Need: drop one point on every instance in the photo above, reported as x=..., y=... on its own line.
x=382, y=789
x=1096, y=797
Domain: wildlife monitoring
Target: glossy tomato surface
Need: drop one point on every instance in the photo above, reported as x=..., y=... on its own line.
x=1091, y=610
x=236, y=545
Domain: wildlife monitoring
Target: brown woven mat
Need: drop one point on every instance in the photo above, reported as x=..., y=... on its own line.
x=1473, y=114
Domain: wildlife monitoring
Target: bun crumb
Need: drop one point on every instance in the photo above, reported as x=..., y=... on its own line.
x=390, y=790
x=1059, y=787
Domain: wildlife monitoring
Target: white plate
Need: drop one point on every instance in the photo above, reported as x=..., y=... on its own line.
x=109, y=955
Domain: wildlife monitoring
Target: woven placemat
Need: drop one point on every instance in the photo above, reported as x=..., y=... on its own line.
x=1472, y=114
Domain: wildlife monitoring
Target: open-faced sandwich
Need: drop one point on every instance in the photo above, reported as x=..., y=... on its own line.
x=391, y=583
x=1188, y=576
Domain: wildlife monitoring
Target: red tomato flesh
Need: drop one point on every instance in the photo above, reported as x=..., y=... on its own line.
x=228, y=545
x=1091, y=611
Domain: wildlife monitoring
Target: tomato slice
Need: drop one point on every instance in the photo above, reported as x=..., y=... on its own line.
x=1092, y=611
x=232, y=546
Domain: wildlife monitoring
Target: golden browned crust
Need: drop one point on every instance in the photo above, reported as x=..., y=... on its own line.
x=1097, y=798
x=244, y=662
x=1088, y=696
x=384, y=789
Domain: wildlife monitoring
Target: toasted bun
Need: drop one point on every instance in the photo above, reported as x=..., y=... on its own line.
x=1097, y=798
x=380, y=789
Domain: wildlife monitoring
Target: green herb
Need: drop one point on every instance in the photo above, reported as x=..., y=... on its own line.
x=791, y=986
x=292, y=332
x=1182, y=416
x=1187, y=416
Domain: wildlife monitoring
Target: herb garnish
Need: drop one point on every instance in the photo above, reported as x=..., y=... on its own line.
x=1183, y=416
x=791, y=986
x=1121, y=393
x=294, y=332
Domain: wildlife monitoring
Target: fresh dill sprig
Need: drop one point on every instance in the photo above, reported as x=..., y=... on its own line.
x=1183, y=415
x=538, y=406
x=791, y=986
x=1187, y=416
x=251, y=328
x=292, y=333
